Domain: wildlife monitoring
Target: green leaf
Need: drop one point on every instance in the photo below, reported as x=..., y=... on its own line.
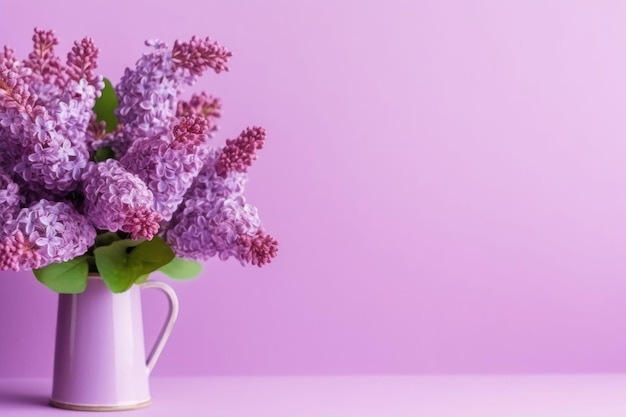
x=106, y=238
x=103, y=154
x=142, y=279
x=106, y=105
x=153, y=253
x=117, y=271
x=124, y=262
x=68, y=277
x=180, y=268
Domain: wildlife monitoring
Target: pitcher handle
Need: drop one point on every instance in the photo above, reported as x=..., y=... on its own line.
x=166, y=330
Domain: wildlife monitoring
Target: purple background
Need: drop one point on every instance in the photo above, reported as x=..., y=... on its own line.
x=446, y=179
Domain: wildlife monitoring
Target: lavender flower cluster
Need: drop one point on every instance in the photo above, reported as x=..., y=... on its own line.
x=164, y=179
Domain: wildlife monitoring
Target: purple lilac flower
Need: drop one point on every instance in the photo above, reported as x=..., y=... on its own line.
x=72, y=113
x=17, y=115
x=16, y=253
x=11, y=132
x=201, y=104
x=51, y=129
x=44, y=73
x=9, y=198
x=71, y=107
x=7, y=57
x=54, y=231
x=45, y=157
x=45, y=67
x=14, y=93
x=215, y=218
x=9, y=61
x=116, y=199
x=96, y=131
x=14, y=100
x=67, y=92
x=224, y=172
x=148, y=94
x=118, y=140
x=168, y=175
x=208, y=185
x=226, y=227
x=229, y=219
x=31, y=193
x=54, y=163
x=208, y=228
x=168, y=163
x=82, y=60
x=74, y=108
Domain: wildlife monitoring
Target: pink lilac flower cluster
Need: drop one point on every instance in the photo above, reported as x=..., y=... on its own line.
x=168, y=162
x=116, y=199
x=163, y=179
x=54, y=231
x=149, y=92
x=215, y=218
x=9, y=198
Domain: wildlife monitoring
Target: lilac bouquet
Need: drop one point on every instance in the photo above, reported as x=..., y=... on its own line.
x=120, y=181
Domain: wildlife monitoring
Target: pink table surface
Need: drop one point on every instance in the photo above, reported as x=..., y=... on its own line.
x=362, y=396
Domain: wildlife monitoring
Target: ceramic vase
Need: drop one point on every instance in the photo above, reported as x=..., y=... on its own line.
x=100, y=361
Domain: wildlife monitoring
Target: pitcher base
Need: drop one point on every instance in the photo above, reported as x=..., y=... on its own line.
x=81, y=407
